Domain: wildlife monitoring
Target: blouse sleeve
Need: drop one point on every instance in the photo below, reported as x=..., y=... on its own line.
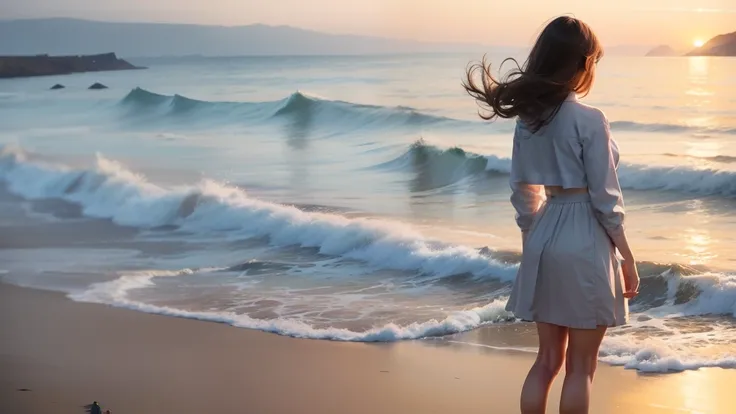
x=526, y=198
x=600, y=157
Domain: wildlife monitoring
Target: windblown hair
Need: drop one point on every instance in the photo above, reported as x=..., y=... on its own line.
x=562, y=61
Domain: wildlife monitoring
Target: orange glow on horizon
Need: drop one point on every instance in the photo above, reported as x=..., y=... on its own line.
x=650, y=22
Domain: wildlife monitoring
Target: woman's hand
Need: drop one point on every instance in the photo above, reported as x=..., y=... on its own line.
x=631, y=278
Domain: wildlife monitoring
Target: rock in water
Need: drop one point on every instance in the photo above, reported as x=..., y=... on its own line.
x=97, y=85
x=42, y=65
x=58, y=86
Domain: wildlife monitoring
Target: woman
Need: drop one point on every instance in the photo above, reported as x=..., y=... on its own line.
x=569, y=206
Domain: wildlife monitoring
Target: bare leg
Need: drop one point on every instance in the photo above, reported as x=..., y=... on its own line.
x=552, y=344
x=582, y=359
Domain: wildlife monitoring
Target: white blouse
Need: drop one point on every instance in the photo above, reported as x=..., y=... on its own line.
x=574, y=150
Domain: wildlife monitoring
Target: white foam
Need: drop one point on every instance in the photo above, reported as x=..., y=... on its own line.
x=626, y=346
x=716, y=296
x=674, y=354
x=498, y=164
x=673, y=344
x=111, y=191
x=705, y=181
x=651, y=355
x=115, y=293
x=663, y=339
x=661, y=355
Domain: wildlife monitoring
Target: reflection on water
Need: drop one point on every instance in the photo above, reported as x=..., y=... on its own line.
x=299, y=126
x=703, y=148
x=698, y=68
x=698, y=247
x=699, y=93
x=698, y=393
x=698, y=240
x=297, y=130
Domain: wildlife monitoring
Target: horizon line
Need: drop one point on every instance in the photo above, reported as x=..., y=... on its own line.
x=286, y=26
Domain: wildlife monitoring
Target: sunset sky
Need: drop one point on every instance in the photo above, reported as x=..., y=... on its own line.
x=679, y=23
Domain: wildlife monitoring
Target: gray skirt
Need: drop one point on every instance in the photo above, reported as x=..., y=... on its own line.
x=569, y=273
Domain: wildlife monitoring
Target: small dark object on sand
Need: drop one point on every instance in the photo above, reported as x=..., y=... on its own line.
x=98, y=85
x=94, y=408
x=58, y=86
x=24, y=389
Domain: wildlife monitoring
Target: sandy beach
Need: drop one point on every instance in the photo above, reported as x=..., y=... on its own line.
x=67, y=354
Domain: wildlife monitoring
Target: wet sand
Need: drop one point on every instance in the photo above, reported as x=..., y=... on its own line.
x=67, y=354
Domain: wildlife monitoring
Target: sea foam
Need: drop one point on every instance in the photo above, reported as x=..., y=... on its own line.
x=111, y=191
x=116, y=293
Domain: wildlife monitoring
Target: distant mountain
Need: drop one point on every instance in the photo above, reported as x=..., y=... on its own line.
x=721, y=45
x=72, y=36
x=662, y=50
x=625, y=50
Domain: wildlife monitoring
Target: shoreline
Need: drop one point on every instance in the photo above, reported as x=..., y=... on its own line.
x=69, y=354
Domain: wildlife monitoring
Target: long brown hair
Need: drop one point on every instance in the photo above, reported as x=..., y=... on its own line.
x=562, y=61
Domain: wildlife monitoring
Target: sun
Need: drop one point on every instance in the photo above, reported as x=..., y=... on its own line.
x=698, y=43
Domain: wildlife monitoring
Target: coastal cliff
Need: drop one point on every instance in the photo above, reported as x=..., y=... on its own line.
x=45, y=65
x=721, y=45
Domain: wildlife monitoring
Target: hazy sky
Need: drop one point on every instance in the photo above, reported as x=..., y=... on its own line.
x=512, y=22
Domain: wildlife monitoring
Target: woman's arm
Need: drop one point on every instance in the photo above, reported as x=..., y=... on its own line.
x=526, y=198
x=600, y=157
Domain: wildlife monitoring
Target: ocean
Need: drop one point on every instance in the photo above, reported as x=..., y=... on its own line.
x=355, y=198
